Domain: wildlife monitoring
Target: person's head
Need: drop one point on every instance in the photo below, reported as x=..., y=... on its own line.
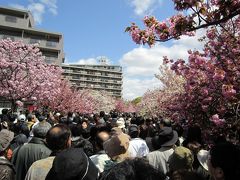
x=179, y=129
x=22, y=118
x=72, y=164
x=116, y=131
x=133, y=131
x=186, y=175
x=4, y=111
x=30, y=117
x=194, y=134
x=182, y=158
x=41, y=129
x=133, y=169
x=223, y=162
x=6, y=137
x=58, y=138
x=41, y=118
x=76, y=130
x=117, y=147
x=165, y=123
x=120, y=123
x=167, y=137
x=21, y=128
x=84, y=124
x=101, y=137
x=102, y=114
x=70, y=114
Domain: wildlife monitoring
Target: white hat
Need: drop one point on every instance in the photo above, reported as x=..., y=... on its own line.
x=202, y=157
x=21, y=117
x=120, y=123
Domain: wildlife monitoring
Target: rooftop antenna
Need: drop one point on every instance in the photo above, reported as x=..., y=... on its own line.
x=103, y=60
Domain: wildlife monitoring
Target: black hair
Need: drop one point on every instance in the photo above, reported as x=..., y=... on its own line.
x=179, y=129
x=133, y=169
x=57, y=137
x=185, y=175
x=21, y=128
x=29, y=117
x=4, y=111
x=194, y=134
x=102, y=113
x=166, y=122
x=76, y=130
x=134, y=134
x=227, y=157
x=69, y=114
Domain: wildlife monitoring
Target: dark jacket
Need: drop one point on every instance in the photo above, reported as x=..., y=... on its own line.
x=7, y=171
x=25, y=155
x=18, y=140
x=79, y=142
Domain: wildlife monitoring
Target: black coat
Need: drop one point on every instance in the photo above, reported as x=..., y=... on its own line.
x=7, y=171
x=26, y=155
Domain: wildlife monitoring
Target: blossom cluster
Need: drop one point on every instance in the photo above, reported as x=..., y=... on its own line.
x=193, y=15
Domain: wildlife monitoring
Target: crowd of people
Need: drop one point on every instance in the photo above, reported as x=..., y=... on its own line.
x=110, y=146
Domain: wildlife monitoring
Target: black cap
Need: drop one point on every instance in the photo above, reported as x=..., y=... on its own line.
x=72, y=164
x=133, y=128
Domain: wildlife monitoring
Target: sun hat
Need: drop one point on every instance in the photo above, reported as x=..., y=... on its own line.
x=167, y=137
x=202, y=157
x=116, y=131
x=120, y=123
x=182, y=158
x=6, y=137
x=116, y=147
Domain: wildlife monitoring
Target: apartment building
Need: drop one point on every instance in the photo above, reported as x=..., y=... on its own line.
x=98, y=77
x=19, y=25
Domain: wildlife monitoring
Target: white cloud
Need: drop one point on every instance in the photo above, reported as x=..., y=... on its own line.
x=140, y=64
x=38, y=8
x=143, y=7
x=51, y=4
x=87, y=61
x=93, y=61
x=135, y=87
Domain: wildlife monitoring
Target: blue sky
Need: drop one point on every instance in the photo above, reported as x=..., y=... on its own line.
x=94, y=28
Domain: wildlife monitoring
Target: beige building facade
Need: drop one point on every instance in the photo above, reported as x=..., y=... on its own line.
x=19, y=25
x=97, y=77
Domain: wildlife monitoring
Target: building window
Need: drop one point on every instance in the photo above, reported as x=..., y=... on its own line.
x=12, y=19
x=51, y=44
x=34, y=41
x=75, y=77
x=48, y=61
x=10, y=37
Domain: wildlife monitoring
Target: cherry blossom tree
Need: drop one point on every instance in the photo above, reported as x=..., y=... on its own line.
x=162, y=101
x=85, y=102
x=211, y=89
x=103, y=101
x=124, y=106
x=68, y=99
x=23, y=74
x=212, y=77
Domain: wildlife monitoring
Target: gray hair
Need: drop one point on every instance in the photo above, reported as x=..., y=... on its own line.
x=41, y=129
